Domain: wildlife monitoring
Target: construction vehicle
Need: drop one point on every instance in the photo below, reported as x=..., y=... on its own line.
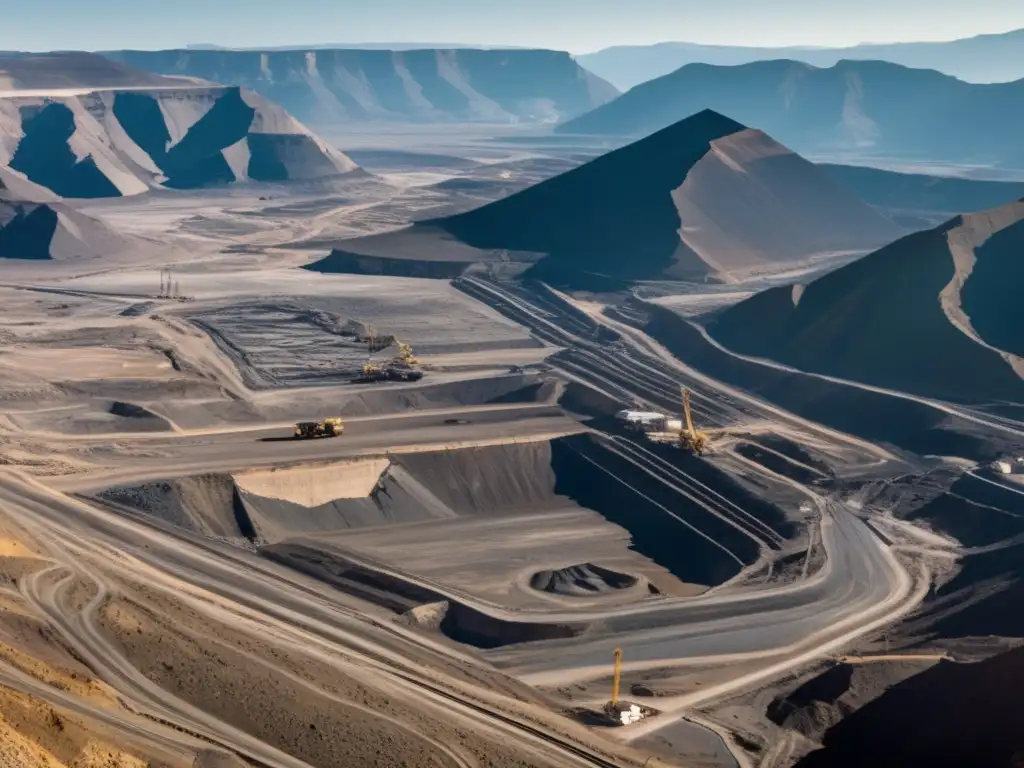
x=305, y=430
x=405, y=355
x=373, y=373
x=689, y=438
x=399, y=369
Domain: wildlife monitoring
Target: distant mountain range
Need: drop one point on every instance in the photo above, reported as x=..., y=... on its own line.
x=920, y=201
x=76, y=69
x=936, y=314
x=325, y=87
x=357, y=46
x=706, y=198
x=983, y=59
x=866, y=107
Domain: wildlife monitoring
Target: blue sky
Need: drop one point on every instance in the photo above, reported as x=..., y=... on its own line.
x=576, y=25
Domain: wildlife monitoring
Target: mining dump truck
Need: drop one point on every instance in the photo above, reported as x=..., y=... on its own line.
x=372, y=373
x=305, y=430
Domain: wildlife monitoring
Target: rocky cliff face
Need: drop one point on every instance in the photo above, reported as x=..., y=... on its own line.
x=327, y=87
x=113, y=142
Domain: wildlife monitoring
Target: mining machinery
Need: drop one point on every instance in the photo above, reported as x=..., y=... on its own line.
x=306, y=430
x=616, y=677
x=405, y=355
x=373, y=373
x=690, y=439
x=400, y=369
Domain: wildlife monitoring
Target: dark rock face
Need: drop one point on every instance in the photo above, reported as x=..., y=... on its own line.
x=88, y=145
x=706, y=198
x=949, y=716
x=197, y=160
x=26, y=231
x=890, y=318
x=45, y=156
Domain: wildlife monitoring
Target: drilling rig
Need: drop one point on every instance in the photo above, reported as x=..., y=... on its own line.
x=616, y=679
x=620, y=712
x=689, y=438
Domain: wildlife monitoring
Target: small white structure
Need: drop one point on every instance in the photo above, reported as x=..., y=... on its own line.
x=1003, y=467
x=646, y=421
x=631, y=715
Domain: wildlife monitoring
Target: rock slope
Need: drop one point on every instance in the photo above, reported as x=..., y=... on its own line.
x=870, y=107
x=916, y=197
x=937, y=313
x=35, y=226
x=77, y=69
x=124, y=141
x=951, y=715
x=327, y=87
x=705, y=198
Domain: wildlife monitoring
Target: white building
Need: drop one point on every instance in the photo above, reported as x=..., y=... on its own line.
x=647, y=421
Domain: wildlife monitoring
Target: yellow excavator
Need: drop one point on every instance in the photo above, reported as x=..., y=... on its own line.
x=332, y=427
x=405, y=355
x=689, y=438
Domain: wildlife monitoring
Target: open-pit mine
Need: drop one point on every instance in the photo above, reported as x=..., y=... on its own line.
x=483, y=455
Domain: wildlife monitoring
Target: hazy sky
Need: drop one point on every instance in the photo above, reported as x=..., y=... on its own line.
x=576, y=25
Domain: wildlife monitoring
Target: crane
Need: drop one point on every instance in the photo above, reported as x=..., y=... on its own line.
x=617, y=677
x=689, y=438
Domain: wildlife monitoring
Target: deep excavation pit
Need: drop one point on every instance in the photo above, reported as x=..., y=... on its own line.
x=311, y=517
x=454, y=619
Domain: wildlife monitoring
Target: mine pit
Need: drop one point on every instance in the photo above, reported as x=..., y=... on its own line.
x=437, y=538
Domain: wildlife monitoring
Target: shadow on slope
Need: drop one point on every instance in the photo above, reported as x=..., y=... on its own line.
x=899, y=422
x=880, y=321
x=197, y=159
x=52, y=231
x=949, y=716
x=26, y=231
x=705, y=198
x=45, y=156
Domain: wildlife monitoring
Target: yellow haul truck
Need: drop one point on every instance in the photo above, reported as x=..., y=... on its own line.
x=325, y=428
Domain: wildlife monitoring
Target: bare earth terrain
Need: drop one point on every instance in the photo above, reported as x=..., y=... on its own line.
x=444, y=584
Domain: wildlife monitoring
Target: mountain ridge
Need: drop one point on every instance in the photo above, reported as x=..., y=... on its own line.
x=706, y=198
x=327, y=87
x=986, y=58
x=860, y=107
x=932, y=314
